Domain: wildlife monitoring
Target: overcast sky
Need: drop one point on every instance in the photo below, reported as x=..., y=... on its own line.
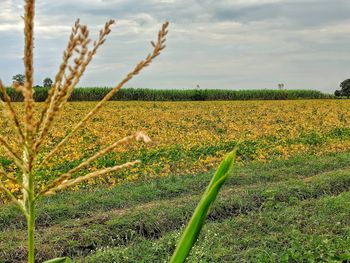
x=228, y=44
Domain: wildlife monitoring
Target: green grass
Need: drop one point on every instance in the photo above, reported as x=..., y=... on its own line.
x=96, y=94
x=313, y=230
x=140, y=222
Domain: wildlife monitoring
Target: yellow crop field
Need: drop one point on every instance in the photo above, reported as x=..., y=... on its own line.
x=192, y=137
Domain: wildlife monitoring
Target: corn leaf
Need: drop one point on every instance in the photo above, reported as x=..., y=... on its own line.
x=195, y=225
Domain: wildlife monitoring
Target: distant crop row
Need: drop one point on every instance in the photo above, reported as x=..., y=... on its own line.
x=96, y=94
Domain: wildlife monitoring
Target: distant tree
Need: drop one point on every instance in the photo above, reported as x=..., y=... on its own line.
x=47, y=83
x=20, y=78
x=344, y=89
x=337, y=93
x=280, y=86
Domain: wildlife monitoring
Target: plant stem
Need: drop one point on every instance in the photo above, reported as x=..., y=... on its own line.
x=29, y=200
x=31, y=221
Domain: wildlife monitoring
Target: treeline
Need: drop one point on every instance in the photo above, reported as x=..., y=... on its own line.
x=95, y=94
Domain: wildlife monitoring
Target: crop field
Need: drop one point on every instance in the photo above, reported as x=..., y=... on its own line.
x=287, y=200
x=192, y=137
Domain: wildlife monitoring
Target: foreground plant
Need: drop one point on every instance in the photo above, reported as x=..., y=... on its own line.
x=33, y=131
x=197, y=220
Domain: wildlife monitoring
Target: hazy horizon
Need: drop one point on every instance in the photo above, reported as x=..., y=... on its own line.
x=235, y=44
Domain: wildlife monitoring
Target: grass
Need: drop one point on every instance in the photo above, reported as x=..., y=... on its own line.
x=141, y=221
x=313, y=230
x=96, y=94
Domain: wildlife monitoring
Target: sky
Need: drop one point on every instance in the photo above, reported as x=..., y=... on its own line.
x=216, y=44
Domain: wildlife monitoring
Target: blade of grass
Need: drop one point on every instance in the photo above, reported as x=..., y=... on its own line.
x=195, y=225
x=59, y=260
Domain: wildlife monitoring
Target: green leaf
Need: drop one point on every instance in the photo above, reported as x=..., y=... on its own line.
x=195, y=225
x=59, y=260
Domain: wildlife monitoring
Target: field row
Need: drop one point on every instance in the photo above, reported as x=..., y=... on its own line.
x=126, y=94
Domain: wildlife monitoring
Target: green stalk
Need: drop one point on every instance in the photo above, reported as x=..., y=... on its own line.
x=29, y=201
x=196, y=223
x=31, y=220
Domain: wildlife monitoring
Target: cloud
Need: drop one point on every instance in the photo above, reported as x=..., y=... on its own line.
x=234, y=44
